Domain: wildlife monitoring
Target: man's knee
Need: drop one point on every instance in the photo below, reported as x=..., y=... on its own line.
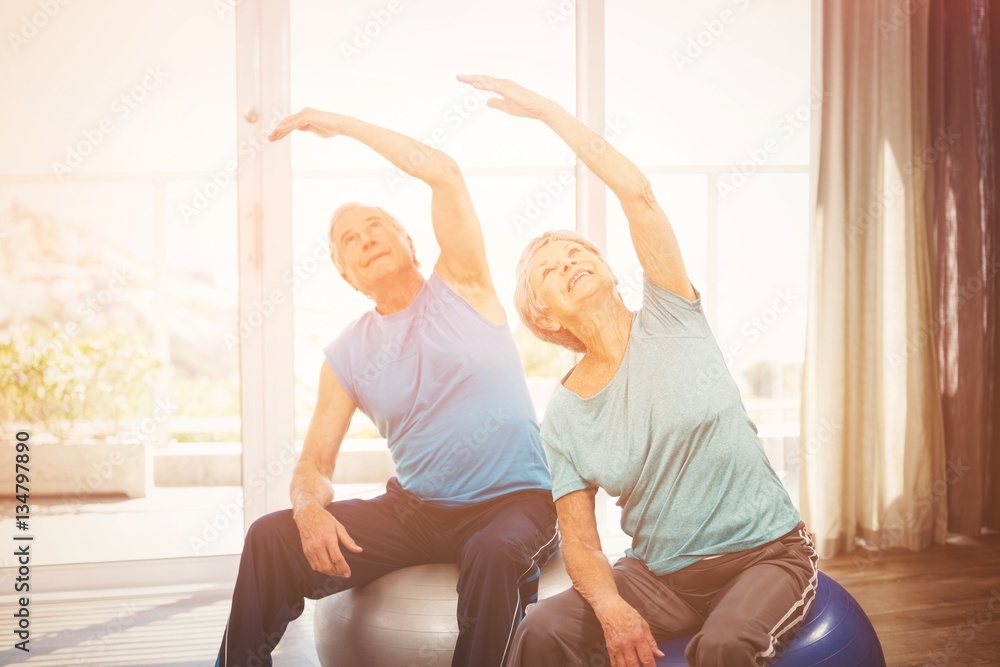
x=486, y=548
x=269, y=527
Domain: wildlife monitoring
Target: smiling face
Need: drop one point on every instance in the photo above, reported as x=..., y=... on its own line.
x=369, y=246
x=566, y=276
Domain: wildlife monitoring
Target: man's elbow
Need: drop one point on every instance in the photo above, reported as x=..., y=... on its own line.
x=443, y=170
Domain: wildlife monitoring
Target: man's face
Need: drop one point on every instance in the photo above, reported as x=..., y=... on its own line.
x=371, y=247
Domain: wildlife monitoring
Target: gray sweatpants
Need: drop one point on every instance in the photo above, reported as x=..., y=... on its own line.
x=745, y=603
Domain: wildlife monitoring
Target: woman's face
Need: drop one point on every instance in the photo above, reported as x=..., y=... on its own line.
x=566, y=277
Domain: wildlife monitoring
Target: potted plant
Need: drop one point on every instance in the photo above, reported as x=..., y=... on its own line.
x=81, y=398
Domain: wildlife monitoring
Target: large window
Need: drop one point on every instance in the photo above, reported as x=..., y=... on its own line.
x=119, y=275
x=714, y=102
x=138, y=343
x=519, y=174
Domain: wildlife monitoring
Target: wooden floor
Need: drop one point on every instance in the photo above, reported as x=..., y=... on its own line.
x=938, y=607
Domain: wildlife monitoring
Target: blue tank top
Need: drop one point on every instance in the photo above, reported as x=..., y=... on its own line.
x=445, y=388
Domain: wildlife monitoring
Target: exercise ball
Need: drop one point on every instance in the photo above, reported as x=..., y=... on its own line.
x=836, y=633
x=407, y=617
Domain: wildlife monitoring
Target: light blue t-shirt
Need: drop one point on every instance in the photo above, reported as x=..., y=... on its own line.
x=677, y=449
x=445, y=387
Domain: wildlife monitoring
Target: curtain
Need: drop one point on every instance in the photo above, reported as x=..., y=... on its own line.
x=964, y=65
x=872, y=459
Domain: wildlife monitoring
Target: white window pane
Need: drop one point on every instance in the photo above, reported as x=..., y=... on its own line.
x=115, y=261
x=121, y=87
x=763, y=255
x=403, y=76
x=720, y=100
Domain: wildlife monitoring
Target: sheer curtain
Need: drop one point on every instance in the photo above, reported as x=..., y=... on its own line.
x=872, y=460
x=963, y=84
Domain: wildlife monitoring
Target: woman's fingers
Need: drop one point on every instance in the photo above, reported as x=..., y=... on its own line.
x=477, y=80
x=287, y=124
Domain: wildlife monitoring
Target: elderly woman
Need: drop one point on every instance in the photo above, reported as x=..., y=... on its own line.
x=717, y=546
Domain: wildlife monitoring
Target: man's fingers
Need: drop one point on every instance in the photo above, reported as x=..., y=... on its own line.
x=348, y=541
x=646, y=656
x=629, y=657
x=339, y=566
x=318, y=561
x=654, y=647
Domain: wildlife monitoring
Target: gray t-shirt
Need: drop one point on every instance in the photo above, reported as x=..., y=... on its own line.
x=670, y=437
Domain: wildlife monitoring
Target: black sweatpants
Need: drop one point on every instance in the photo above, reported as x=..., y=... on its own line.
x=499, y=545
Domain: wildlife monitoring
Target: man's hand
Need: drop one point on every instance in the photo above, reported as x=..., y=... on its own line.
x=629, y=640
x=321, y=123
x=322, y=536
x=514, y=99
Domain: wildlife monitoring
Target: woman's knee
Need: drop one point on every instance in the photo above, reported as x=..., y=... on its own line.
x=710, y=648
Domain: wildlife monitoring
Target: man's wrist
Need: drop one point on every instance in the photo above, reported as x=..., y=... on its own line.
x=304, y=507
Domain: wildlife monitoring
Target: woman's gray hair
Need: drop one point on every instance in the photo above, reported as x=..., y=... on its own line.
x=347, y=208
x=529, y=308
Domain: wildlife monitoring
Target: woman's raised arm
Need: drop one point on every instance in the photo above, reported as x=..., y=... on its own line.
x=653, y=237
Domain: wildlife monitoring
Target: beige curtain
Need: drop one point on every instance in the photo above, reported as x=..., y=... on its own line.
x=872, y=450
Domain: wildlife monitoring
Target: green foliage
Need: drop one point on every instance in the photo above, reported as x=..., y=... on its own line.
x=540, y=359
x=51, y=379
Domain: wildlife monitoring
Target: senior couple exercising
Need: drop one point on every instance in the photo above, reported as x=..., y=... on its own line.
x=717, y=546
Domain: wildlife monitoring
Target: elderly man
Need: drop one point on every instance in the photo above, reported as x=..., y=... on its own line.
x=435, y=367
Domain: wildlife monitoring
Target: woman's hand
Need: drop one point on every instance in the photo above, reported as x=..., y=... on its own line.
x=322, y=123
x=629, y=640
x=514, y=99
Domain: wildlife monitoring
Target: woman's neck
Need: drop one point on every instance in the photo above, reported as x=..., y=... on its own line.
x=606, y=337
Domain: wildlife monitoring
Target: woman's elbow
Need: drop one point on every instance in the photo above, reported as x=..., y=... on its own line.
x=637, y=192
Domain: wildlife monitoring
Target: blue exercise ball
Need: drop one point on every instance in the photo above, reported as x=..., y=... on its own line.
x=836, y=633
